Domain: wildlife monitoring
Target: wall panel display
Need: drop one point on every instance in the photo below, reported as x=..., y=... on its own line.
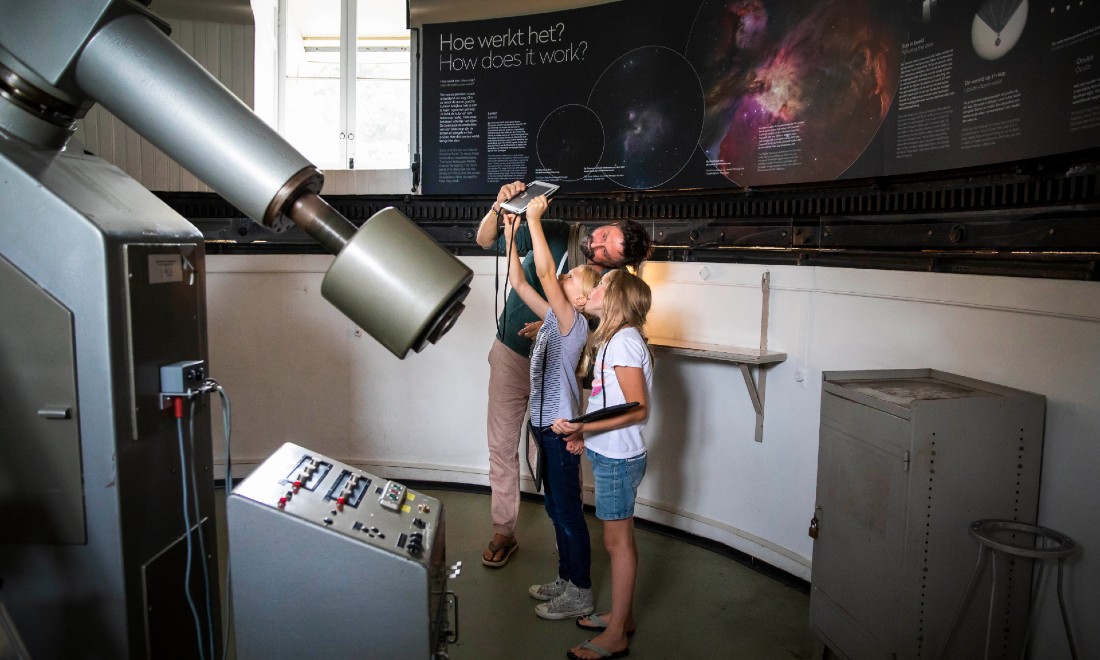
x=646, y=94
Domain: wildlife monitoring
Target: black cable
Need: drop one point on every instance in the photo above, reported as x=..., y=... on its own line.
x=496, y=284
x=502, y=320
x=227, y=427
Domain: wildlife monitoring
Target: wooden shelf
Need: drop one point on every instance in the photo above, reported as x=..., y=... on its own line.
x=739, y=355
x=718, y=351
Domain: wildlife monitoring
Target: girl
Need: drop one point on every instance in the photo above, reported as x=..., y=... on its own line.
x=623, y=371
x=555, y=393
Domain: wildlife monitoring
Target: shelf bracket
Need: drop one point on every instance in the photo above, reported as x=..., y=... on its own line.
x=758, y=396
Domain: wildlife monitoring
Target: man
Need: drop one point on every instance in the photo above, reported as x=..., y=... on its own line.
x=624, y=243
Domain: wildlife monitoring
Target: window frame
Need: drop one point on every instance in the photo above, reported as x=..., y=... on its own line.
x=347, y=102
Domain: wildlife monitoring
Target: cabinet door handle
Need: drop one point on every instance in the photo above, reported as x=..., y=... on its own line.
x=54, y=412
x=905, y=461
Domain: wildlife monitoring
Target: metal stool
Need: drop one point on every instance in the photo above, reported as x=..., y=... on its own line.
x=985, y=532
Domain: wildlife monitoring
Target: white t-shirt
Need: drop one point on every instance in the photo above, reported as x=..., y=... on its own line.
x=626, y=349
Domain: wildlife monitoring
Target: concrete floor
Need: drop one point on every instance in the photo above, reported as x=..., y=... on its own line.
x=691, y=602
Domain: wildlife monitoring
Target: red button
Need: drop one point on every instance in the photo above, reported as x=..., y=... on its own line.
x=282, y=502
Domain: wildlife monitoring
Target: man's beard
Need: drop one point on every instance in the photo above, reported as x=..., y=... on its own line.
x=586, y=249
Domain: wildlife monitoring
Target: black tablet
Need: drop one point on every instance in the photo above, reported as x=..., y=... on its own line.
x=609, y=411
x=518, y=204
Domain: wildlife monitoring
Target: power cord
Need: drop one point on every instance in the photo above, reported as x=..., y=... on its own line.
x=178, y=409
x=187, y=473
x=227, y=427
x=202, y=540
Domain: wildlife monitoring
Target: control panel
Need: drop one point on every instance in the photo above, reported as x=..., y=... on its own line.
x=342, y=559
x=345, y=500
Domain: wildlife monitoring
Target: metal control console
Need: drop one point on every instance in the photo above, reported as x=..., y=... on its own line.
x=328, y=559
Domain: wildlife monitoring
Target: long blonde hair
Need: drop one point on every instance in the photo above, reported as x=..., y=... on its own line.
x=626, y=302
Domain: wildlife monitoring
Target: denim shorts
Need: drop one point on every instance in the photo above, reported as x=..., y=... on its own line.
x=617, y=482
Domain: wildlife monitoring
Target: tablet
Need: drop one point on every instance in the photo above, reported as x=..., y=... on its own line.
x=518, y=204
x=609, y=411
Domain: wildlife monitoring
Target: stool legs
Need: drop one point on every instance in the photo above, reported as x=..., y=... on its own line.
x=965, y=599
x=1002, y=536
x=1035, y=586
x=1061, y=606
x=992, y=605
x=972, y=585
x=1065, y=616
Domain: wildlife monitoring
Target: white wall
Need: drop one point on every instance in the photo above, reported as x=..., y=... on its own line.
x=297, y=371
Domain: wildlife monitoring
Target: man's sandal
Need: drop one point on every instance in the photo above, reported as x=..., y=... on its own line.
x=508, y=549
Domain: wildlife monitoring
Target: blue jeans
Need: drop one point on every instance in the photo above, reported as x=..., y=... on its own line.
x=617, y=481
x=562, y=493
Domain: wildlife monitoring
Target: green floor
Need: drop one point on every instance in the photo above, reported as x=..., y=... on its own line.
x=691, y=602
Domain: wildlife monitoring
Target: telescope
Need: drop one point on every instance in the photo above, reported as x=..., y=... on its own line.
x=103, y=286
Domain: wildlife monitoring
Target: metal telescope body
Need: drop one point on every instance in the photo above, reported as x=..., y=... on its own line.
x=102, y=285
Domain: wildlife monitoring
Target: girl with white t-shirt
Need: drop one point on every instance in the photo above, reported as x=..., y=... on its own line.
x=555, y=393
x=622, y=372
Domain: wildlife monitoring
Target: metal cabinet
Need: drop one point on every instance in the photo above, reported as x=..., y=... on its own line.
x=907, y=460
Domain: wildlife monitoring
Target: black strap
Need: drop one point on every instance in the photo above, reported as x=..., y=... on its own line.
x=542, y=384
x=502, y=320
x=538, y=470
x=603, y=365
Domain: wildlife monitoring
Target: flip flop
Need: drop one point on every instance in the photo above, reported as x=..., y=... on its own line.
x=597, y=624
x=508, y=548
x=603, y=653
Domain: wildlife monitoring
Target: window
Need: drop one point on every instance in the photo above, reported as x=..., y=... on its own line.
x=345, y=107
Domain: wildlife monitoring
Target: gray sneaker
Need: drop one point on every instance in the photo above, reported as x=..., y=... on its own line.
x=548, y=590
x=572, y=602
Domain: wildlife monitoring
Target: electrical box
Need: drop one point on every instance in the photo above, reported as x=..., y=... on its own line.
x=907, y=460
x=182, y=377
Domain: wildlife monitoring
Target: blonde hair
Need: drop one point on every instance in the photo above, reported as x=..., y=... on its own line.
x=589, y=278
x=626, y=302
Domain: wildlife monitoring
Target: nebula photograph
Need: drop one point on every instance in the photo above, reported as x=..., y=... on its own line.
x=793, y=91
x=650, y=104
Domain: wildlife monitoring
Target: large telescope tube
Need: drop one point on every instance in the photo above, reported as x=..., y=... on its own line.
x=136, y=72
